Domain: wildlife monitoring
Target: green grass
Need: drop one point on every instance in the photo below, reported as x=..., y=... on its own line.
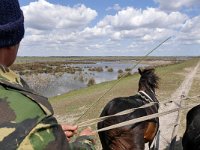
x=171, y=77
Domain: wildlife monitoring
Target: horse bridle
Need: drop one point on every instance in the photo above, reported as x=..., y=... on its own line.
x=145, y=96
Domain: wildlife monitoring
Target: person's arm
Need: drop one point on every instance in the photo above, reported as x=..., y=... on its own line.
x=48, y=135
x=85, y=139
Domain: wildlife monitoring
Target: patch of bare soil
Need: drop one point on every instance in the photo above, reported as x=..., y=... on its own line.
x=168, y=122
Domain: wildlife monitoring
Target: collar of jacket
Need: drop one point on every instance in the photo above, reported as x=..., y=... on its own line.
x=9, y=76
x=10, y=79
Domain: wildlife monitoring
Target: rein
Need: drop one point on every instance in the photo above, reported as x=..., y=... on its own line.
x=142, y=94
x=96, y=120
x=144, y=118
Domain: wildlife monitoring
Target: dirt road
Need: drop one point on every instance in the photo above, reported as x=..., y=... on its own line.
x=167, y=122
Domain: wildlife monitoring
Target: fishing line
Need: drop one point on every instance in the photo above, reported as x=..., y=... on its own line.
x=151, y=51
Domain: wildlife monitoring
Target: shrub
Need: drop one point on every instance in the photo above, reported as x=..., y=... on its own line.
x=120, y=71
x=91, y=82
x=81, y=78
x=128, y=69
x=110, y=69
x=98, y=69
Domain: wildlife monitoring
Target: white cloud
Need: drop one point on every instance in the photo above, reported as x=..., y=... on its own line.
x=147, y=25
x=115, y=7
x=64, y=30
x=49, y=26
x=131, y=18
x=42, y=15
x=189, y=33
x=177, y=4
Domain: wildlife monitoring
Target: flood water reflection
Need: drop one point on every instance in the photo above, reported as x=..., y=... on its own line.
x=51, y=85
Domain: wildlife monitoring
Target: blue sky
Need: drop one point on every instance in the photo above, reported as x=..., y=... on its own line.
x=110, y=28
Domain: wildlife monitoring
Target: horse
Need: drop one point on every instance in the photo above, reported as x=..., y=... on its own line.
x=132, y=137
x=191, y=137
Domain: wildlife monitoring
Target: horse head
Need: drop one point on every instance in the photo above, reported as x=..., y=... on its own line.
x=148, y=82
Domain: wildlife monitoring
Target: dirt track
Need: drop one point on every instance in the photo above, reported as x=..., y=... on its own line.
x=167, y=122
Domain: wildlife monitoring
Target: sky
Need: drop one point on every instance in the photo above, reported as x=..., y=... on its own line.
x=110, y=28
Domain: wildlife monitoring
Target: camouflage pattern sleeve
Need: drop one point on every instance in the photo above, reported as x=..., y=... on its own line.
x=83, y=143
x=26, y=119
x=48, y=135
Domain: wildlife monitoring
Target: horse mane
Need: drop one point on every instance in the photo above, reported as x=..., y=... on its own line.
x=148, y=78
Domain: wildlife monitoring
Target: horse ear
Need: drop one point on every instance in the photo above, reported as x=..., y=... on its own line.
x=146, y=70
x=140, y=71
x=150, y=69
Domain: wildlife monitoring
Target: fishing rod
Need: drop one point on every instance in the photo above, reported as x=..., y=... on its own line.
x=145, y=56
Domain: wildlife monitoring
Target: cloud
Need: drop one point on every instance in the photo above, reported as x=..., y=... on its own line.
x=172, y=5
x=49, y=26
x=189, y=33
x=42, y=15
x=131, y=18
x=115, y=7
x=129, y=31
x=149, y=24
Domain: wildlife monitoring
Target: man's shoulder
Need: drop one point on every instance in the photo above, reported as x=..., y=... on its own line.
x=18, y=107
x=19, y=115
x=20, y=90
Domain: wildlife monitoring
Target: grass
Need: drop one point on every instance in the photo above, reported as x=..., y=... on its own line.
x=194, y=91
x=171, y=77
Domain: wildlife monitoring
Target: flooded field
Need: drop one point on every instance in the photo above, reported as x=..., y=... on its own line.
x=50, y=85
x=51, y=76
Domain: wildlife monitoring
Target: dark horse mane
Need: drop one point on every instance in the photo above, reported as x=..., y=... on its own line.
x=131, y=137
x=148, y=78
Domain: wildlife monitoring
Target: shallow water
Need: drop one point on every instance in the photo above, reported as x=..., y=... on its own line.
x=51, y=85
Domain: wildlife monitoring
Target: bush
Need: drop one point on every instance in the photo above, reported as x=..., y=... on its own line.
x=128, y=69
x=91, y=82
x=110, y=69
x=120, y=71
x=81, y=78
x=98, y=69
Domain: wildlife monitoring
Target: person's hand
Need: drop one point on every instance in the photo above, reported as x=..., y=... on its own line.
x=69, y=130
x=87, y=131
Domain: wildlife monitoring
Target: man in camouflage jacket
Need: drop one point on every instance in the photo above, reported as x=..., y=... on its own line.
x=26, y=118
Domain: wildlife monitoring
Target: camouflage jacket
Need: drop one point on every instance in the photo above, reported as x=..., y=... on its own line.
x=26, y=119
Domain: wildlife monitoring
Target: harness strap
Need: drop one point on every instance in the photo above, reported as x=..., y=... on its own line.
x=145, y=96
x=155, y=142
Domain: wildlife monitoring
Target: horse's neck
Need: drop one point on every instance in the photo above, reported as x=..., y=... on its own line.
x=150, y=94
